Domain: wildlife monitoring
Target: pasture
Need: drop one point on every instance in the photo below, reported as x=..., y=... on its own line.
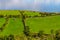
x=35, y=24
x=44, y=23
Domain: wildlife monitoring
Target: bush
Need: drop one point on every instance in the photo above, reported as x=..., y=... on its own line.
x=58, y=35
x=36, y=16
x=1, y=16
x=40, y=33
x=10, y=37
x=26, y=31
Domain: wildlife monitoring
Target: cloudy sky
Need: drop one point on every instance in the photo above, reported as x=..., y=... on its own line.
x=37, y=5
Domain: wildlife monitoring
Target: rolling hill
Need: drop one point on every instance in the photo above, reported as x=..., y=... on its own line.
x=15, y=25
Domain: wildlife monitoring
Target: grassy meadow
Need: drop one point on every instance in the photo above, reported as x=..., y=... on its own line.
x=35, y=24
x=44, y=23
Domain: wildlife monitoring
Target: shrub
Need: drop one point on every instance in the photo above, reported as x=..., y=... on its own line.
x=41, y=33
x=26, y=31
x=58, y=35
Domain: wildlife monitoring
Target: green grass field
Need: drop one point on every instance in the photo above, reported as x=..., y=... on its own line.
x=35, y=24
x=44, y=23
x=13, y=27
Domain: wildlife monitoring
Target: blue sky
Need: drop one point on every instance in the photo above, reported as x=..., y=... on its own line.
x=37, y=5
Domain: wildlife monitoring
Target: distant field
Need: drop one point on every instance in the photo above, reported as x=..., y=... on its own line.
x=35, y=24
x=44, y=23
x=9, y=12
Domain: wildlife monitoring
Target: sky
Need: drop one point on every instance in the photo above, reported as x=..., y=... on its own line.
x=35, y=5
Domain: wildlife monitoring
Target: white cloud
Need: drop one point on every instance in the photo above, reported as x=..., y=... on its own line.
x=12, y=3
x=0, y=5
x=38, y=3
x=47, y=1
x=33, y=4
x=57, y=2
x=42, y=1
x=19, y=3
